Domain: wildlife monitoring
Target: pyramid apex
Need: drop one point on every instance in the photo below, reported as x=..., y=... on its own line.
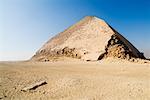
x=94, y=17
x=91, y=16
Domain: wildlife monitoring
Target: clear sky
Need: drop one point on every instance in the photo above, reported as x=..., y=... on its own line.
x=25, y=25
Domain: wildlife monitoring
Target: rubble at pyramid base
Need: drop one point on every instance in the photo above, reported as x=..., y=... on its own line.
x=115, y=49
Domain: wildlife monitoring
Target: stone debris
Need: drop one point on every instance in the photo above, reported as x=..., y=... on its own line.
x=34, y=86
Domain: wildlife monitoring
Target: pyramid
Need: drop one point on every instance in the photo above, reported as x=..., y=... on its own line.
x=90, y=39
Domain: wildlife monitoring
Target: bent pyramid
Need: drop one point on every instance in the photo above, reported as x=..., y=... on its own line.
x=89, y=39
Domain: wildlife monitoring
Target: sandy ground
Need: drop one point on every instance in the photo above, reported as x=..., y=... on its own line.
x=75, y=80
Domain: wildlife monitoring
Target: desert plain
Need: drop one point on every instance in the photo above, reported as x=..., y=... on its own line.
x=75, y=80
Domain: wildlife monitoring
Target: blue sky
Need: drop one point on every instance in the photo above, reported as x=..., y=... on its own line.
x=25, y=25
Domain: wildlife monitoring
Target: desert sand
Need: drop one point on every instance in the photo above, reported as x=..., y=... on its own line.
x=88, y=61
x=76, y=80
